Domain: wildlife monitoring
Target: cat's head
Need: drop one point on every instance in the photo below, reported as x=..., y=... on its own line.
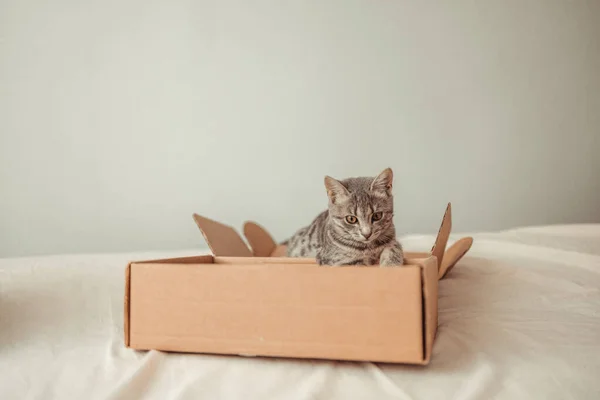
x=362, y=208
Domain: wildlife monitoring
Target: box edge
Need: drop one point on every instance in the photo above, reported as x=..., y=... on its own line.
x=127, y=303
x=429, y=329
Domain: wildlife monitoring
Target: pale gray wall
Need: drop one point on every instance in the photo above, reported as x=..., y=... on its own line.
x=120, y=118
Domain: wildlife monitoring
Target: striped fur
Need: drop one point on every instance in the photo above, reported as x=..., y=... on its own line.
x=333, y=240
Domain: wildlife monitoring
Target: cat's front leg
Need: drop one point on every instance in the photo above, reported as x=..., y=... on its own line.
x=330, y=259
x=392, y=255
x=323, y=259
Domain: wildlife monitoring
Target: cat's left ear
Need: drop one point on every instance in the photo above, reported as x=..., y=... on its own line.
x=384, y=182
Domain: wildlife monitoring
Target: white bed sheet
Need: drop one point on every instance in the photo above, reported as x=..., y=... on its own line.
x=519, y=318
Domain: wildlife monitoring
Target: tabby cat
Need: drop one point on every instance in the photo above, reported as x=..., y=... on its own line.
x=356, y=229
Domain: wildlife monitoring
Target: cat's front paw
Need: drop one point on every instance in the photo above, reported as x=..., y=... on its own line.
x=391, y=257
x=323, y=261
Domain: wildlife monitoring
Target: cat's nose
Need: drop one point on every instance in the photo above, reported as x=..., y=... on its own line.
x=366, y=235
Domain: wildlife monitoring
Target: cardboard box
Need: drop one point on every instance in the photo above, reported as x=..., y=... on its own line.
x=253, y=302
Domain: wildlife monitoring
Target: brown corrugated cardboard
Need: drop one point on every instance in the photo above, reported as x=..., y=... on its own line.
x=223, y=240
x=453, y=254
x=257, y=303
x=261, y=243
x=232, y=306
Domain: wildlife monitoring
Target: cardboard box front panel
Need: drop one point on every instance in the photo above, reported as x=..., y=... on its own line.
x=286, y=310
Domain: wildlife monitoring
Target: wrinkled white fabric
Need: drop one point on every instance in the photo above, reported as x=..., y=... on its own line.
x=519, y=318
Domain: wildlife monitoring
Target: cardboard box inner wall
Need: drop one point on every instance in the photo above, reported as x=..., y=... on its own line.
x=237, y=303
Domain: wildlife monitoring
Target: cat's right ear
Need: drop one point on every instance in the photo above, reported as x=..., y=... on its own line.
x=335, y=190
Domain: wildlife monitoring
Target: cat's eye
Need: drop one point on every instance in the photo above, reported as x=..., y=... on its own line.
x=351, y=219
x=377, y=216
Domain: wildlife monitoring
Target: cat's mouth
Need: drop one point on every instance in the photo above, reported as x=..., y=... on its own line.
x=367, y=240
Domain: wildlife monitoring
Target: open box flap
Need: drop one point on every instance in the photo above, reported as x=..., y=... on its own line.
x=223, y=240
x=261, y=242
x=441, y=240
x=453, y=254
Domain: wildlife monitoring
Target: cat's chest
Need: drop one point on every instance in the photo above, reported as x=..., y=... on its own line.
x=366, y=257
